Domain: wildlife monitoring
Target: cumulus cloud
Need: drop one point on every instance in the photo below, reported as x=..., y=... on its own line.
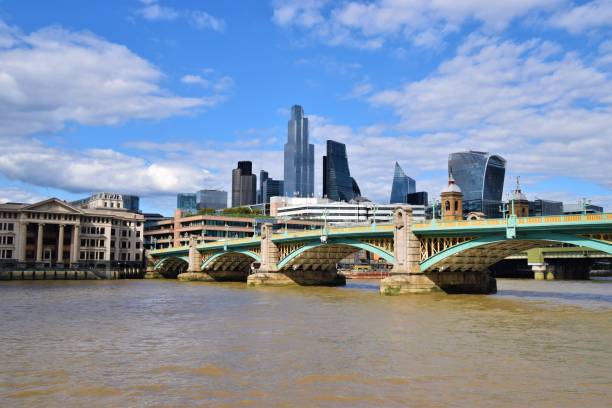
x=591, y=15
x=153, y=10
x=209, y=80
x=52, y=76
x=424, y=23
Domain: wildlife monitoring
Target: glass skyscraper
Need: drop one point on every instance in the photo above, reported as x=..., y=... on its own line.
x=215, y=199
x=338, y=185
x=299, y=157
x=186, y=202
x=481, y=178
x=402, y=186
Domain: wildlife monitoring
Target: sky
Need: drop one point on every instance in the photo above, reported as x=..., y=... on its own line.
x=155, y=97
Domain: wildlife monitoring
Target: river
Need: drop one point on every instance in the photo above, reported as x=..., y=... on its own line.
x=169, y=344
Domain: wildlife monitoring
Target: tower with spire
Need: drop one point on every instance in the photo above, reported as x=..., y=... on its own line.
x=452, y=201
x=519, y=206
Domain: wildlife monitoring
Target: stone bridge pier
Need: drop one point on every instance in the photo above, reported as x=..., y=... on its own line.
x=268, y=273
x=194, y=271
x=407, y=277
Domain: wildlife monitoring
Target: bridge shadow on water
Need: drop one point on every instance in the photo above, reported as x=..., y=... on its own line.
x=566, y=296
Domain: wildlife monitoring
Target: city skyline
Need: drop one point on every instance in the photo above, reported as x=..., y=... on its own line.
x=175, y=112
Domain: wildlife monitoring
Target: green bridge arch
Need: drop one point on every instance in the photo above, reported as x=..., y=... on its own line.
x=346, y=242
x=164, y=261
x=491, y=239
x=218, y=255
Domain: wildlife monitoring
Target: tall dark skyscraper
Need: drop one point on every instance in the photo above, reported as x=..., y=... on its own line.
x=263, y=176
x=215, y=199
x=299, y=156
x=401, y=187
x=244, y=185
x=481, y=178
x=338, y=185
x=186, y=202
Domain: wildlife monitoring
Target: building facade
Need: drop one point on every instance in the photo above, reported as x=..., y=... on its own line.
x=271, y=188
x=338, y=212
x=215, y=199
x=187, y=202
x=178, y=230
x=539, y=207
x=581, y=208
x=402, y=186
x=418, y=198
x=54, y=233
x=480, y=176
x=244, y=185
x=299, y=157
x=109, y=200
x=338, y=185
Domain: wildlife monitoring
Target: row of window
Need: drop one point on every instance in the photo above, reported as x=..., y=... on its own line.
x=6, y=240
x=92, y=242
x=99, y=256
x=9, y=215
x=6, y=253
x=93, y=230
x=104, y=220
x=47, y=216
x=7, y=226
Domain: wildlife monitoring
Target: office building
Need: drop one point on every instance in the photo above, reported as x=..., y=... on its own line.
x=53, y=233
x=271, y=188
x=402, y=186
x=539, y=207
x=178, y=230
x=418, y=198
x=338, y=185
x=109, y=200
x=299, y=157
x=187, y=202
x=480, y=176
x=580, y=208
x=263, y=176
x=244, y=185
x=302, y=208
x=215, y=199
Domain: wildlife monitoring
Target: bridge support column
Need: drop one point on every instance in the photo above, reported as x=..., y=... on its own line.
x=539, y=271
x=194, y=271
x=267, y=273
x=150, y=272
x=406, y=276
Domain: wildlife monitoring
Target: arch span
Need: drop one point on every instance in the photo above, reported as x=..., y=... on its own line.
x=173, y=266
x=230, y=259
x=318, y=254
x=483, y=252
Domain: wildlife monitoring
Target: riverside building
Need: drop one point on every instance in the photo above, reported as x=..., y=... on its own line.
x=178, y=230
x=244, y=185
x=56, y=234
x=338, y=185
x=337, y=212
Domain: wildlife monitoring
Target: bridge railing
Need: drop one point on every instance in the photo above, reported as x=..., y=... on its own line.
x=549, y=219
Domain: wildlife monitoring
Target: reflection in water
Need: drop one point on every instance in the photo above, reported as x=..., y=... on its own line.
x=164, y=343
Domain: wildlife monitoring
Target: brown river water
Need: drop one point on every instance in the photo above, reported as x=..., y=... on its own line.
x=171, y=344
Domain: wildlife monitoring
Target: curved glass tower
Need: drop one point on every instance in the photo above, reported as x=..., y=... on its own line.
x=481, y=178
x=338, y=185
x=402, y=186
x=299, y=156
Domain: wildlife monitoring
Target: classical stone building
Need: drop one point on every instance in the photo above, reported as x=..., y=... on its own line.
x=53, y=233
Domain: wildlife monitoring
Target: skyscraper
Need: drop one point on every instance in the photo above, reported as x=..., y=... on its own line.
x=338, y=185
x=186, y=202
x=263, y=176
x=299, y=156
x=244, y=185
x=271, y=188
x=481, y=178
x=401, y=187
x=215, y=199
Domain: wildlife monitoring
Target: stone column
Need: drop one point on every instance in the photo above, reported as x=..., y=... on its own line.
x=539, y=271
x=60, y=244
x=23, y=241
x=268, y=273
x=74, y=254
x=195, y=257
x=39, y=243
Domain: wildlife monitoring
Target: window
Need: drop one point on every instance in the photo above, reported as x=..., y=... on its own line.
x=447, y=206
x=10, y=226
x=9, y=240
x=137, y=257
x=137, y=234
x=456, y=205
x=137, y=245
x=112, y=232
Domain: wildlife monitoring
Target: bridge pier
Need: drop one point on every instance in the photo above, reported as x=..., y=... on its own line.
x=267, y=274
x=194, y=271
x=406, y=276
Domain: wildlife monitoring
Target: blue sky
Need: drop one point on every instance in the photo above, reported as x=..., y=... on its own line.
x=155, y=97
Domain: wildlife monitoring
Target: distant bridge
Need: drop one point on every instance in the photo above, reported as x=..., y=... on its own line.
x=451, y=256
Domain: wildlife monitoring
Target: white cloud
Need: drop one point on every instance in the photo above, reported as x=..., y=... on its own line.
x=370, y=24
x=153, y=10
x=216, y=83
x=18, y=195
x=38, y=164
x=591, y=15
x=51, y=77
